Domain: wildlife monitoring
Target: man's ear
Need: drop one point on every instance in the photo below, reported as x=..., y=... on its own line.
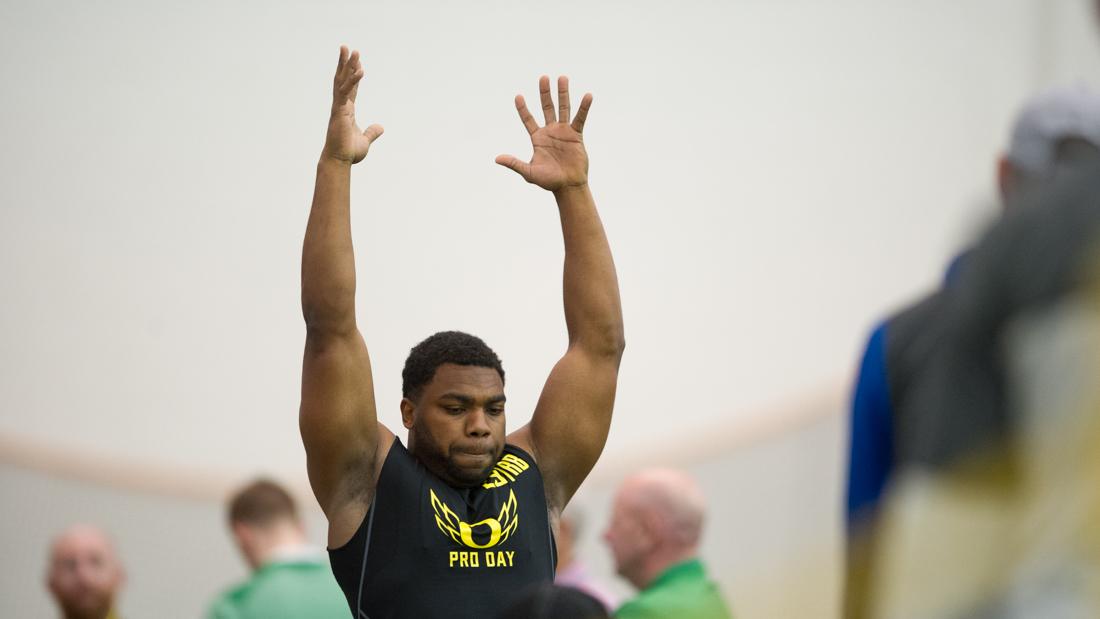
x=407, y=410
x=242, y=533
x=650, y=528
x=1006, y=179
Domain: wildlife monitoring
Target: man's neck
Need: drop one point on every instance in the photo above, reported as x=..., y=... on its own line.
x=278, y=542
x=111, y=614
x=292, y=552
x=659, y=564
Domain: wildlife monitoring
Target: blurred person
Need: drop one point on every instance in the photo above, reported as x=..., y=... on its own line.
x=462, y=519
x=552, y=601
x=572, y=570
x=654, y=534
x=1053, y=130
x=290, y=578
x=996, y=505
x=1052, y=134
x=85, y=574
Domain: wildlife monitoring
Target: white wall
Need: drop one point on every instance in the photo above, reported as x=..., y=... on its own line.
x=772, y=175
x=1069, y=47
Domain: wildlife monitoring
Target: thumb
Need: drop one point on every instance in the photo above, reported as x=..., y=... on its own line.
x=521, y=167
x=373, y=132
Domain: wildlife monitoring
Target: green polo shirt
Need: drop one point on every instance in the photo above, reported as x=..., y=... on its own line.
x=292, y=589
x=680, y=592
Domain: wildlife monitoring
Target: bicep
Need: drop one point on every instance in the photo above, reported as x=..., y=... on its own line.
x=338, y=419
x=571, y=420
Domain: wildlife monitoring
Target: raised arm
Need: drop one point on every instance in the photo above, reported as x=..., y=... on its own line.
x=573, y=415
x=337, y=418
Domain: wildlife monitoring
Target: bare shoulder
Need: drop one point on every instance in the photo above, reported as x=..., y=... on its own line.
x=522, y=438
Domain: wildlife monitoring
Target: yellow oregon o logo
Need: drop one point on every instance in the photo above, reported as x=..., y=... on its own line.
x=466, y=532
x=500, y=528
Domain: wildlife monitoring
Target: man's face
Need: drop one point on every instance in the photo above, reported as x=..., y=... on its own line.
x=84, y=574
x=456, y=426
x=625, y=536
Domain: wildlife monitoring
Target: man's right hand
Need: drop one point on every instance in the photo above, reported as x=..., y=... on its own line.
x=345, y=142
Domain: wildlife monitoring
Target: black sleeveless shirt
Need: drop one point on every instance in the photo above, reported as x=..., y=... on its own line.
x=426, y=550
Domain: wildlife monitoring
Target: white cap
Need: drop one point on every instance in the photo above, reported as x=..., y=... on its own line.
x=1050, y=117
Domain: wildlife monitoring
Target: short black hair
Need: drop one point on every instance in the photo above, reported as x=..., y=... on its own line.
x=445, y=347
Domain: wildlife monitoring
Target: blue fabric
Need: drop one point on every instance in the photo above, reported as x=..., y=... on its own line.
x=871, y=453
x=955, y=267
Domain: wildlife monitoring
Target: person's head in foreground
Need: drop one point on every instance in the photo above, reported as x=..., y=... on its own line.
x=85, y=574
x=264, y=519
x=1055, y=132
x=656, y=522
x=550, y=601
x=453, y=407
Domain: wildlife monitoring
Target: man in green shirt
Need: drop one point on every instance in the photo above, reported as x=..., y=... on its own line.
x=290, y=580
x=654, y=536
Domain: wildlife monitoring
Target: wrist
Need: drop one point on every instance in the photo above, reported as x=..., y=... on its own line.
x=330, y=160
x=571, y=191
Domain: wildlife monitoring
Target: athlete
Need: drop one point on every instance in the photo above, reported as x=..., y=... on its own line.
x=460, y=519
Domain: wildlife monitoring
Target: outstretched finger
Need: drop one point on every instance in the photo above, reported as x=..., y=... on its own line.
x=343, y=68
x=347, y=88
x=355, y=73
x=547, y=100
x=521, y=167
x=582, y=113
x=563, y=98
x=343, y=60
x=525, y=115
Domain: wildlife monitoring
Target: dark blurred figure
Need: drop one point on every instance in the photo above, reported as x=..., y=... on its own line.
x=85, y=574
x=572, y=571
x=549, y=601
x=290, y=579
x=1055, y=133
x=995, y=512
x=654, y=534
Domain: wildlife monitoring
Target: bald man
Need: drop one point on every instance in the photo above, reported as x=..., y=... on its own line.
x=656, y=525
x=85, y=574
